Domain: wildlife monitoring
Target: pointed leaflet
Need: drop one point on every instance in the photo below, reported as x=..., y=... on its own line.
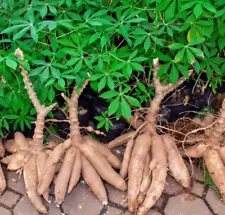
x=173, y=74
x=109, y=94
x=179, y=56
x=198, y=10
x=21, y=33
x=114, y=105
x=11, y=63
x=190, y=56
x=125, y=108
x=133, y=101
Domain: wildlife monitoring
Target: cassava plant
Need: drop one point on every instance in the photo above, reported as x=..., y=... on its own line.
x=113, y=42
x=79, y=155
x=148, y=155
x=210, y=146
x=30, y=156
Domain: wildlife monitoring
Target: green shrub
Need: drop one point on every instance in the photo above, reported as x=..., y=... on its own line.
x=112, y=42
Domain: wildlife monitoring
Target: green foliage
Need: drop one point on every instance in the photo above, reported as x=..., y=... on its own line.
x=113, y=42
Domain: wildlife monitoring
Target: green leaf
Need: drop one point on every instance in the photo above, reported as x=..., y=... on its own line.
x=12, y=116
x=21, y=33
x=61, y=83
x=221, y=43
x=163, y=69
x=43, y=11
x=52, y=9
x=94, y=22
x=179, y=56
x=183, y=70
x=1, y=92
x=49, y=82
x=51, y=94
x=11, y=63
x=109, y=94
x=37, y=71
x=140, y=59
x=13, y=28
x=173, y=74
x=170, y=11
x=137, y=66
x=197, y=52
x=133, y=54
x=110, y=83
x=209, y=72
x=44, y=75
x=1, y=58
x=133, y=101
x=55, y=72
x=96, y=77
x=136, y=20
x=125, y=108
x=198, y=10
x=94, y=37
x=209, y=7
x=3, y=103
x=16, y=102
x=127, y=71
x=162, y=5
x=190, y=56
x=142, y=87
x=116, y=66
x=102, y=83
x=33, y=33
x=78, y=66
x=196, y=41
x=113, y=107
x=104, y=40
x=147, y=44
x=188, y=5
x=157, y=41
x=197, y=67
x=176, y=46
x=66, y=42
x=101, y=124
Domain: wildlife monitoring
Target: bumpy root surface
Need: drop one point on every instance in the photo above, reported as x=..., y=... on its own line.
x=148, y=155
x=212, y=149
x=77, y=155
x=28, y=153
x=2, y=177
x=80, y=155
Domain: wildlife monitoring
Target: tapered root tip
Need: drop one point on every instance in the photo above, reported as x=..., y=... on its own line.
x=105, y=203
x=155, y=61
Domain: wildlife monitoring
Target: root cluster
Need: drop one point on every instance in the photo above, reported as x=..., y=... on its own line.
x=146, y=161
x=148, y=156
x=62, y=163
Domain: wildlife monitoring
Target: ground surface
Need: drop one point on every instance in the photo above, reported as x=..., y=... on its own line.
x=175, y=200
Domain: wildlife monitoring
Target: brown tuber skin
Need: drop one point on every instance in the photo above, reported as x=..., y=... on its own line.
x=145, y=189
x=212, y=149
x=80, y=155
x=147, y=157
x=2, y=177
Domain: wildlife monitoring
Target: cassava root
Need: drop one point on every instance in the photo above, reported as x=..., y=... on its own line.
x=148, y=155
x=80, y=155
